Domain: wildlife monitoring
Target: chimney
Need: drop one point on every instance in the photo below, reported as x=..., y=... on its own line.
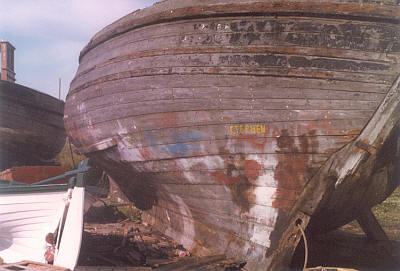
x=7, y=61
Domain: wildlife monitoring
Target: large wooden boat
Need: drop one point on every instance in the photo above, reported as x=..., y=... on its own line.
x=31, y=126
x=234, y=123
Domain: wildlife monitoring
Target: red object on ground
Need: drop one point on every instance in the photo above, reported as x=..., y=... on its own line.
x=31, y=174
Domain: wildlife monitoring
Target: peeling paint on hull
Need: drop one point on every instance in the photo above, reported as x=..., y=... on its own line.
x=214, y=117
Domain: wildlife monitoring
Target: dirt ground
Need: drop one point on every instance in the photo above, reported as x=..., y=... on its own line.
x=348, y=246
x=111, y=238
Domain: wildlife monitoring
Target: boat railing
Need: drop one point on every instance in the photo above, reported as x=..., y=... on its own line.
x=76, y=177
x=82, y=168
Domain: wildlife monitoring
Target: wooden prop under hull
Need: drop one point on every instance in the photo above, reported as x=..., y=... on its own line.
x=214, y=117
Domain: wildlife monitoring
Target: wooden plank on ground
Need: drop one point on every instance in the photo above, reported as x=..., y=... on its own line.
x=191, y=263
x=31, y=266
x=112, y=268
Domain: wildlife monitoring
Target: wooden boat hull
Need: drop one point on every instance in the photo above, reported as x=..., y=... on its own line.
x=215, y=116
x=31, y=126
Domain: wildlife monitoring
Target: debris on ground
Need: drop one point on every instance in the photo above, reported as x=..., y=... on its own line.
x=30, y=266
x=118, y=242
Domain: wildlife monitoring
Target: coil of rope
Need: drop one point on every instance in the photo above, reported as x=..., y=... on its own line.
x=298, y=224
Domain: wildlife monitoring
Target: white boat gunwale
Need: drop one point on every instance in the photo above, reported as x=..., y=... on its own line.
x=24, y=189
x=7, y=187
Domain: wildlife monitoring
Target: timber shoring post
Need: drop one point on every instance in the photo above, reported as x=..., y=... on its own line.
x=373, y=230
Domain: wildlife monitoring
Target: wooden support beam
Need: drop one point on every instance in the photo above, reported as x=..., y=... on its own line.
x=339, y=170
x=373, y=230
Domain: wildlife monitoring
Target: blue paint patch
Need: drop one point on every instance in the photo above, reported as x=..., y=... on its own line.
x=193, y=135
x=182, y=148
x=150, y=138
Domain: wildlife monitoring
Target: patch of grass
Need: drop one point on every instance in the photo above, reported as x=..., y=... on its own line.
x=64, y=158
x=131, y=212
x=128, y=209
x=388, y=215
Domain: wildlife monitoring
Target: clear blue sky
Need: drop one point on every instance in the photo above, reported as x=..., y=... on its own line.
x=49, y=34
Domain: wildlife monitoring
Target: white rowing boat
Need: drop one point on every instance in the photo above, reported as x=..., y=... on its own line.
x=43, y=222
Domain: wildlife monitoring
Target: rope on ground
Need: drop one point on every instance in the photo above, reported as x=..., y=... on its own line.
x=305, y=245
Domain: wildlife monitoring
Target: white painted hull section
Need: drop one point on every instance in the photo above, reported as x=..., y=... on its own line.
x=25, y=220
x=70, y=245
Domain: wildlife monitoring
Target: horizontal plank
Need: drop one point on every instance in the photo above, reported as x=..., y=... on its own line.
x=243, y=230
x=255, y=98
x=129, y=94
x=227, y=104
x=15, y=93
x=195, y=229
x=244, y=65
x=231, y=59
x=191, y=149
x=156, y=130
x=178, y=12
x=133, y=151
x=204, y=81
x=200, y=165
x=217, y=194
x=221, y=211
x=192, y=143
x=171, y=115
x=262, y=187
x=364, y=77
x=10, y=109
x=259, y=133
x=280, y=50
x=337, y=34
x=226, y=200
x=32, y=126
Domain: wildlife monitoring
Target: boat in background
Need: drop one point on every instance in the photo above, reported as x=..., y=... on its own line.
x=31, y=123
x=32, y=174
x=43, y=221
x=233, y=124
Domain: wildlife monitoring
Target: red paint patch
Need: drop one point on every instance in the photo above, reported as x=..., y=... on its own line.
x=255, y=140
x=252, y=169
x=170, y=119
x=221, y=178
x=293, y=168
x=145, y=153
